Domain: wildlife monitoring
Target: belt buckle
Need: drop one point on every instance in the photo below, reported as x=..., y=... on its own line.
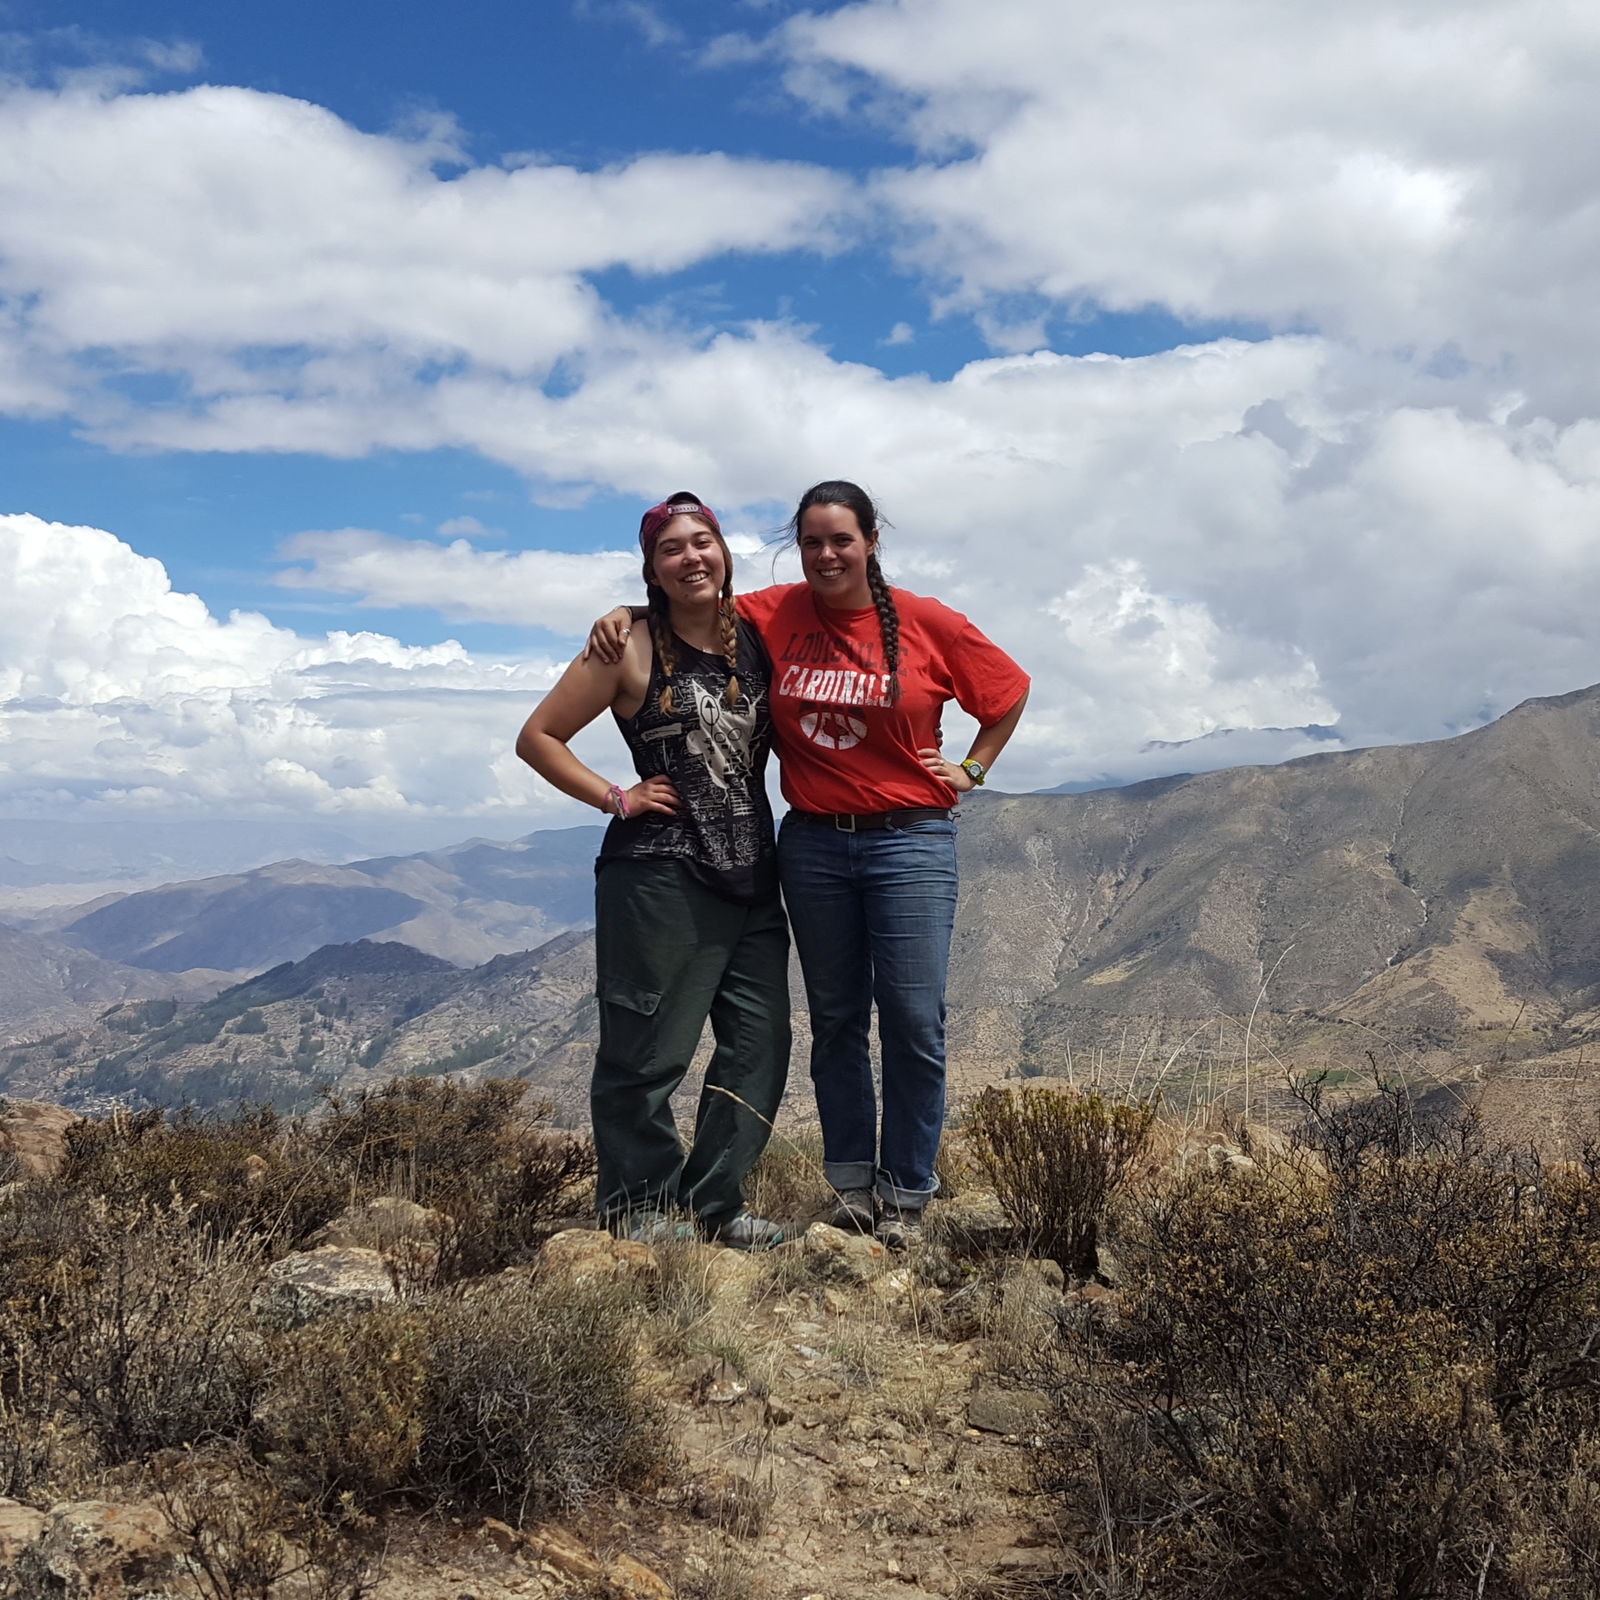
x=840, y=825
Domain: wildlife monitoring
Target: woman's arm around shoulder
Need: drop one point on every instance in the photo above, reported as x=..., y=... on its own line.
x=588, y=689
x=609, y=635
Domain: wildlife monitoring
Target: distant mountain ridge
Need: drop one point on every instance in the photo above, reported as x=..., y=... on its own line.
x=45, y=986
x=347, y=1014
x=1433, y=896
x=465, y=904
x=1438, y=889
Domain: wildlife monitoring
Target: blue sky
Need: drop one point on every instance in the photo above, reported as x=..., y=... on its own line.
x=590, y=84
x=1233, y=370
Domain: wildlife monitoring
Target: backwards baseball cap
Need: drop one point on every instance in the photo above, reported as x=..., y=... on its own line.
x=657, y=517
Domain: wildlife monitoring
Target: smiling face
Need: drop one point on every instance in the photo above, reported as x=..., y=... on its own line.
x=833, y=556
x=688, y=563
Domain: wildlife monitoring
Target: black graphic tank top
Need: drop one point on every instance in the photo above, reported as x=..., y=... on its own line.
x=716, y=756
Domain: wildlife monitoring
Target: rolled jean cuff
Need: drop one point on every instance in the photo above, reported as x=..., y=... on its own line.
x=843, y=1175
x=905, y=1199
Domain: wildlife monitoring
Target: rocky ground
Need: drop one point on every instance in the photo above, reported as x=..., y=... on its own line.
x=844, y=1421
x=831, y=1443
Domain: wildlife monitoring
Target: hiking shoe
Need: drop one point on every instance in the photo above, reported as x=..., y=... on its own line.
x=900, y=1227
x=647, y=1227
x=746, y=1231
x=854, y=1210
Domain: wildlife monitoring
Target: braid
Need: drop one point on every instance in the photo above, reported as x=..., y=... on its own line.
x=888, y=621
x=730, y=640
x=661, y=637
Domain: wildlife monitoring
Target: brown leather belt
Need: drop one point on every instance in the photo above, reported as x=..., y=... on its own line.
x=865, y=821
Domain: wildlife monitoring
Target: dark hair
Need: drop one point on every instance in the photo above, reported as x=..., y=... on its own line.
x=660, y=615
x=855, y=499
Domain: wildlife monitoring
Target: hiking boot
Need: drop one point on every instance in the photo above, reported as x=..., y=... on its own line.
x=746, y=1231
x=854, y=1210
x=900, y=1227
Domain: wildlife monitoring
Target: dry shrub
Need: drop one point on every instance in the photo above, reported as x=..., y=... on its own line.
x=499, y=1172
x=42, y=1456
x=245, y=1538
x=534, y=1399
x=1367, y=1372
x=341, y=1408
x=954, y=1166
x=1056, y=1158
x=137, y=1334
x=253, y=1171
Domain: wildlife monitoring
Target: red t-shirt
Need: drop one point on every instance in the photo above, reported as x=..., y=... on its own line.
x=842, y=745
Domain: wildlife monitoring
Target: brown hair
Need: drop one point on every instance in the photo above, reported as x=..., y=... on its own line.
x=855, y=499
x=660, y=614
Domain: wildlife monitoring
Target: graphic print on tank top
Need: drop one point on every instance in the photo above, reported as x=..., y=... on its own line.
x=723, y=739
x=715, y=755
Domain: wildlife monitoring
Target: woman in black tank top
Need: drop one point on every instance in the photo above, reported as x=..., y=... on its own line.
x=688, y=923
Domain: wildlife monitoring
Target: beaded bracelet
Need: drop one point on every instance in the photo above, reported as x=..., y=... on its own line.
x=619, y=797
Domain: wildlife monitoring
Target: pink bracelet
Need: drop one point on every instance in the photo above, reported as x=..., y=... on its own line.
x=620, y=797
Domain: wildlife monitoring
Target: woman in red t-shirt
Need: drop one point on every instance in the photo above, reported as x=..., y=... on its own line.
x=866, y=852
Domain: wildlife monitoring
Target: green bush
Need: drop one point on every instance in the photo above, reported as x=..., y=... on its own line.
x=340, y=1411
x=1056, y=1158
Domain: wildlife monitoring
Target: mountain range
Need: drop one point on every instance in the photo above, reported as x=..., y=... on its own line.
x=46, y=986
x=1414, y=899
x=465, y=903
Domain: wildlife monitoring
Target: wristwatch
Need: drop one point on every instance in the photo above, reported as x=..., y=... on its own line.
x=974, y=770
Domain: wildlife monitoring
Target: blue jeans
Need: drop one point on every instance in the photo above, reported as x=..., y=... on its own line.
x=871, y=914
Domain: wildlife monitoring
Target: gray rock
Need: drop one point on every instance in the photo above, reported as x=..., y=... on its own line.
x=20, y=1527
x=1107, y=1268
x=1008, y=1411
x=1045, y=1275
x=851, y=1257
x=381, y=1224
x=972, y=1224
x=320, y=1283
x=96, y=1548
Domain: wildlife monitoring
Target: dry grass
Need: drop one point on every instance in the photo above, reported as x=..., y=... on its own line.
x=788, y=1183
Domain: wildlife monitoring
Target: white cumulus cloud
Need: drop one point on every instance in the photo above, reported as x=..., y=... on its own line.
x=120, y=694
x=243, y=244
x=1400, y=172
x=1379, y=517
x=551, y=589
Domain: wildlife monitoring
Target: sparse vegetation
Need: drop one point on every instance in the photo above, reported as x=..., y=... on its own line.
x=474, y=1052
x=1366, y=1369
x=497, y=1172
x=1056, y=1157
x=129, y=1343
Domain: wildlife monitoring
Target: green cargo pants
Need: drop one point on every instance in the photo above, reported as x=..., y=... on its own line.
x=668, y=954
